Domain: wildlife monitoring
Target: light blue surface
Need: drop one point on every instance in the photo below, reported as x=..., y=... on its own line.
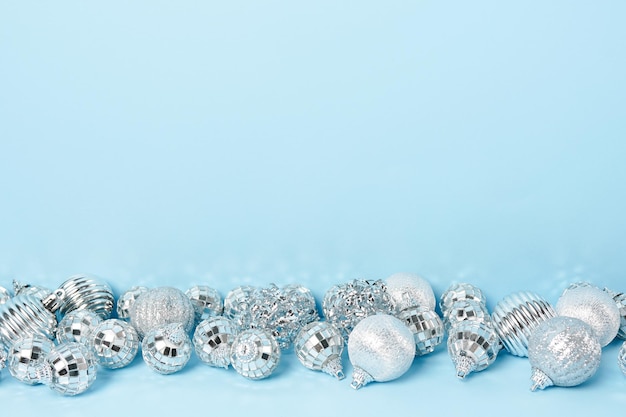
x=230, y=143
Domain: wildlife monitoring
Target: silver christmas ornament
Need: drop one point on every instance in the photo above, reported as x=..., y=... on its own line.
x=381, y=348
x=460, y=291
x=3, y=356
x=472, y=346
x=24, y=315
x=206, y=301
x=82, y=291
x=38, y=291
x=593, y=306
x=166, y=349
x=427, y=328
x=563, y=351
x=236, y=304
x=5, y=295
x=408, y=290
x=345, y=305
x=212, y=340
x=620, y=301
x=465, y=309
x=516, y=316
x=115, y=343
x=26, y=357
x=69, y=369
x=318, y=346
x=160, y=306
x=255, y=354
x=77, y=326
x=127, y=299
x=621, y=358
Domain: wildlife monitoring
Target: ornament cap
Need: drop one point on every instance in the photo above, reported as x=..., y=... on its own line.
x=334, y=367
x=220, y=356
x=539, y=380
x=464, y=365
x=360, y=378
x=53, y=302
x=175, y=333
x=43, y=373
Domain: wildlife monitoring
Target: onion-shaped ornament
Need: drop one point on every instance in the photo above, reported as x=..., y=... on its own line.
x=69, y=369
x=115, y=343
x=206, y=301
x=593, y=306
x=427, y=328
x=472, y=346
x=563, y=351
x=5, y=295
x=621, y=358
x=255, y=354
x=82, y=291
x=319, y=346
x=26, y=357
x=161, y=306
x=460, y=291
x=166, y=349
x=77, y=326
x=463, y=310
x=408, y=290
x=24, y=315
x=236, y=304
x=381, y=348
x=127, y=299
x=516, y=316
x=213, y=339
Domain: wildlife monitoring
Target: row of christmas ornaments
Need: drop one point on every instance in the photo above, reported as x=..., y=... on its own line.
x=253, y=325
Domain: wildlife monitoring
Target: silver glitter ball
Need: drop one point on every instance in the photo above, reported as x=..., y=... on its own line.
x=236, y=304
x=563, y=351
x=212, y=340
x=160, y=306
x=69, y=369
x=408, y=290
x=127, y=299
x=463, y=310
x=82, y=291
x=472, y=346
x=255, y=354
x=460, y=291
x=26, y=357
x=318, y=346
x=5, y=295
x=593, y=306
x=621, y=358
x=206, y=301
x=427, y=328
x=516, y=316
x=166, y=349
x=24, y=315
x=115, y=343
x=77, y=326
x=381, y=348
x=27, y=289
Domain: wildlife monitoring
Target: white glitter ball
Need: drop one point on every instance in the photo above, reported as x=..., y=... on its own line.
x=408, y=290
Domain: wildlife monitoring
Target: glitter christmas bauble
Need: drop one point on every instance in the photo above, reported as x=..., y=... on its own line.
x=115, y=343
x=82, y=291
x=472, y=346
x=69, y=368
x=408, y=290
x=255, y=354
x=426, y=326
x=77, y=326
x=206, y=301
x=212, y=340
x=563, y=351
x=38, y=291
x=5, y=295
x=236, y=304
x=593, y=306
x=26, y=357
x=127, y=299
x=160, y=306
x=516, y=316
x=460, y=291
x=381, y=348
x=318, y=346
x=465, y=309
x=24, y=315
x=621, y=358
x=166, y=349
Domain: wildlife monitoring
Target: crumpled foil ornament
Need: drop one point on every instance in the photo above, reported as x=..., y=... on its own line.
x=408, y=290
x=69, y=369
x=127, y=299
x=460, y=291
x=5, y=295
x=472, y=346
x=593, y=306
x=115, y=343
x=381, y=348
x=161, y=306
x=516, y=316
x=345, y=305
x=620, y=300
x=255, y=354
x=166, y=349
x=621, y=358
x=236, y=304
x=26, y=357
x=206, y=301
x=427, y=328
x=318, y=346
x=24, y=315
x=463, y=310
x=82, y=291
x=563, y=351
x=38, y=291
x=213, y=339
x=77, y=326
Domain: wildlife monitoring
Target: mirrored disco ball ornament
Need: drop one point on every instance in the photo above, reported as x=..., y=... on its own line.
x=212, y=340
x=318, y=346
x=563, y=351
x=408, y=290
x=69, y=369
x=115, y=343
x=472, y=346
x=463, y=310
x=345, y=305
x=236, y=304
x=5, y=295
x=426, y=326
x=26, y=357
x=161, y=306
x=166, y=349
x=38, y=291
x=621, y=358
x=77, y=326
x=82, y=291
x=460, y=291
x=516, y=316
x=24, y=315
x=593, y=306
x=206, y=301
x=127, y=299
x=255, y=354
x=381, y=348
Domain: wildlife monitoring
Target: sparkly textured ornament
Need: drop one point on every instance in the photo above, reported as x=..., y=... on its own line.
x=409, y=290
x=465, y=309
x=563, y=351
x=28, y=289
x=255, y=354
x=127, y=299
x=206, y=301
x=82, y=291
x=620, y=301
x=212, y=340
x=426, y=326
x=460, y=291
x=236, y=304
x=69, y=368
x=27, y=355
x=166, y=349
x=621, y=358
x=593, y=306
x=472, y=346
x=77, y=326
x=115, y=343
x=160, y=306
x=319, y=346
x=24, y=315
x=516, y=316
x=5, y=295
x=345, y=305
x=381, y=348
x=3, y=356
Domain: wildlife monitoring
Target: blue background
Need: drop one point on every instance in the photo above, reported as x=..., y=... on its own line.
x=181, y=143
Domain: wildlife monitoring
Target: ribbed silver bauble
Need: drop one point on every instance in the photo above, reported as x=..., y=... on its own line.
x=82, y=291
x=24, y=315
